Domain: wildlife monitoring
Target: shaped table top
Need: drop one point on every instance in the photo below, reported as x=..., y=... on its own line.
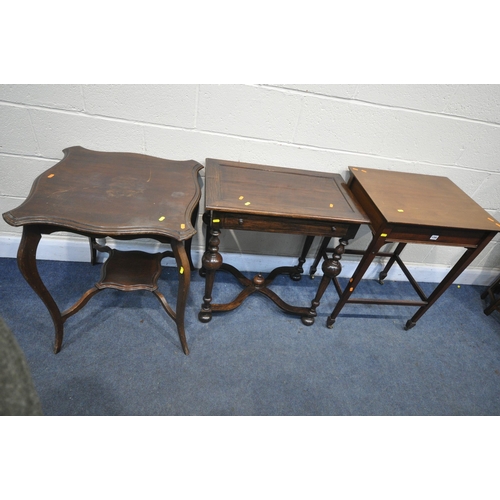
x=110, y=194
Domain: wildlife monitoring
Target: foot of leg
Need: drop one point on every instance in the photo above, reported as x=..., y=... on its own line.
x=381, y=277
x=329, y=322
x=205, y=316
x=409, y=324
x=307, y=320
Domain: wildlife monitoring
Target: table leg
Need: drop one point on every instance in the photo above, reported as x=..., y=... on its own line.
x=383, y=274
x=371, y=252
x=296, y=275
x=490, y=292
x=211, y=261
x=319, y=255
x=331, y=269
x=26, y=260
x=494, y=305
x=494, y=287
x=466, y=259
x=188, y=243
x=93, y=251
x=207, y=223
x=184, y=267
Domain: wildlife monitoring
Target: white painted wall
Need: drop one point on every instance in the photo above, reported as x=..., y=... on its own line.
x=450, y=130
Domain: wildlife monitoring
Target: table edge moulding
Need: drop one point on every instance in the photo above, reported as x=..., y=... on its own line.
x=15, y=217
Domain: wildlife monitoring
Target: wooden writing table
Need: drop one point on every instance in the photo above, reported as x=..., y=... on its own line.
x=120, y=195
x=253, y=197
x=413, y=208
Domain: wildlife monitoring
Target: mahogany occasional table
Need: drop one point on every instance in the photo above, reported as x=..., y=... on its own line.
x=413, y=208
x=120, y=195
x=253, y=197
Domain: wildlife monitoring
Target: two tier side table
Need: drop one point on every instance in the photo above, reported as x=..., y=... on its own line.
x=121, y=196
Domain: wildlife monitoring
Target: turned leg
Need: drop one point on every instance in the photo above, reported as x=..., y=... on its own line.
x=319, y=255
x=211, y=261
x=296, y=274
x=26, y=260
x=183, y=265
x=331, y=269
x=206, y=222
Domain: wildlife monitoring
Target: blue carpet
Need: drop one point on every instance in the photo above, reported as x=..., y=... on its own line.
x=121, y=354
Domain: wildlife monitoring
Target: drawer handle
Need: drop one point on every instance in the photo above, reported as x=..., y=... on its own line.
x=240, y=221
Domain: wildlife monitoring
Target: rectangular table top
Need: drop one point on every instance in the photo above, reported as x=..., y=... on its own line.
x=250, y=189
x=417, y=199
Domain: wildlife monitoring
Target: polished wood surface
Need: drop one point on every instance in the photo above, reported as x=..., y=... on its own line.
x=414, y=208
x=261, y=190
x=120, y=195
x=253, y=197
x=416, y=199
x=114, y=194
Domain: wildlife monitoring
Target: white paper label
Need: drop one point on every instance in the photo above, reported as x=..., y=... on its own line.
x=434, y=237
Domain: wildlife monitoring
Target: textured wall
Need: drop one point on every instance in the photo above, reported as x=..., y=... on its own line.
x=450, y=130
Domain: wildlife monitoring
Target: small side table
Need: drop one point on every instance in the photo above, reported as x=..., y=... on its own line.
x=117, y=195
x=413, y=208
x=252, y=197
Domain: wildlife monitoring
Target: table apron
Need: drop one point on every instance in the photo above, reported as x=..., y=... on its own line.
x=285, y=225
x=435, y=235
x=50, y=229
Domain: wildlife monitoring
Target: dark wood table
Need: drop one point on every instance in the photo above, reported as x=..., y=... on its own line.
x=412, y=208
x=117, y=195
x=251, y=197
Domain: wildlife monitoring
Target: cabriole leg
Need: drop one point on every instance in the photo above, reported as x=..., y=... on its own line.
x=184, y=267
x=26, y=260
